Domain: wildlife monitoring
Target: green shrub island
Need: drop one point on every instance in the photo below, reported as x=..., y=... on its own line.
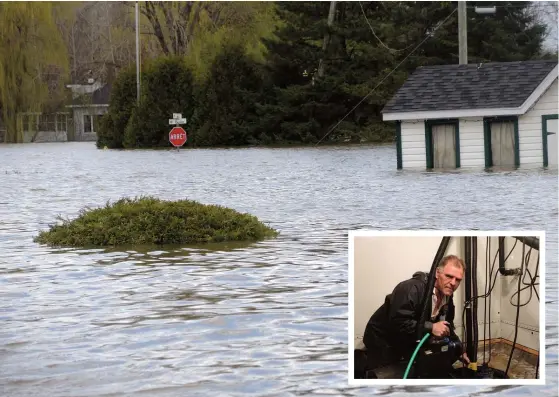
x=148, y=220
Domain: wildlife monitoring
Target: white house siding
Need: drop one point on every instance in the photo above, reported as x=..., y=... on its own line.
x=413, y=144
x=79, y=133
x=530, y=127
x=472, y=152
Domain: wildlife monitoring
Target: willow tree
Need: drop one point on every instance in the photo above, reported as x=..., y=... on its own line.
x=32, y=54
x=201, y=30
x=235, y=24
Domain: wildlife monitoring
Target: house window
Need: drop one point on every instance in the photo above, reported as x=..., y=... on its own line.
x=47, y=122
x=30, y=122
x=549, y=139
x=87, y=123
x=61, y=122
x=501, y=142
x=442, y=144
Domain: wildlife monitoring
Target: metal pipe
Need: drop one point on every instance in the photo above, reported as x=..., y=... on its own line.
x=426, y=303
x=533, y=242
x=468, y=292
x=502, y=270
x=475, y=335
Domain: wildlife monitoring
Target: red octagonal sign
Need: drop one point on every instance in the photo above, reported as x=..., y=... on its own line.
x=177, y=136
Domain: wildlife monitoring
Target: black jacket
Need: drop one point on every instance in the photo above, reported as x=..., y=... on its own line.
x=392, y=329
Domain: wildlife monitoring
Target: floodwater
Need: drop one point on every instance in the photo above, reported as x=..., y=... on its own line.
x=266, y=319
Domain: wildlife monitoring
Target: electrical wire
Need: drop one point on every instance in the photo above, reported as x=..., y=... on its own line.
x=487, y=259
x=489, y=317
x=496, y=273
x=532, y=284
x=374, y=34
x=388, y=75
x=397, y=66
x=517, y=310
x=487, y=294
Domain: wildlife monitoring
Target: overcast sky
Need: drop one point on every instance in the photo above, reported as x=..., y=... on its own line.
x=548, y=11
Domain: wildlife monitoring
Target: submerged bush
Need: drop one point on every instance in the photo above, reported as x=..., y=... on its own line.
x=150, y=220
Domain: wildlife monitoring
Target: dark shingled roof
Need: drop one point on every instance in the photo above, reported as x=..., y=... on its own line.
x=98, y=97
x=101, y=95
x=458, y=87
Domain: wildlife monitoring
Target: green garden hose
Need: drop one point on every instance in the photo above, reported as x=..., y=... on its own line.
x=415, y=354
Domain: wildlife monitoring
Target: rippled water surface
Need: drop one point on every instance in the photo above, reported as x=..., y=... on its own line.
x=262, y=319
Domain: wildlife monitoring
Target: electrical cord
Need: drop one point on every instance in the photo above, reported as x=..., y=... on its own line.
x=496, y=273
x=487, y=259
x=486, y=363
x=484, y=296
x=532, y=284
x=517, y=311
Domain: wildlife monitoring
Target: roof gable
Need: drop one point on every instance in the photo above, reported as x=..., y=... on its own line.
x=495, y=85
x=98, y=97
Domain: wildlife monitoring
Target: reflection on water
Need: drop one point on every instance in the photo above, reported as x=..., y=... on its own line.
x=267, y=318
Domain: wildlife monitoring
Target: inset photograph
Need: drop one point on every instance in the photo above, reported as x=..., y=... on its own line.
x=448, y=307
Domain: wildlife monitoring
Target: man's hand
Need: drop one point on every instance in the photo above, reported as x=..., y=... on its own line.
x=441, y=329
x=464, y=358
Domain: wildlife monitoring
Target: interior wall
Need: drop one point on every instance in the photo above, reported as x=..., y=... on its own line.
x=380, y=263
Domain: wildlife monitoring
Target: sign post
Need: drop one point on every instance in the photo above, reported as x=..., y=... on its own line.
x=177, y=135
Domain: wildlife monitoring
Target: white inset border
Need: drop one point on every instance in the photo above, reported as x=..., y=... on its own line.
x=442, y=233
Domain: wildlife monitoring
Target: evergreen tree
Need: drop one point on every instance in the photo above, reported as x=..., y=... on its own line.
x=167, y=87
x=225, y=114
x=368, y=40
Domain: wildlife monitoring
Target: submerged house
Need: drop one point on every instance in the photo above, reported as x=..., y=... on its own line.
x=501, y=114
x=89, y=103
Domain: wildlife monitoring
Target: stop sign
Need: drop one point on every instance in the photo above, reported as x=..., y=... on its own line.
x=177, y=136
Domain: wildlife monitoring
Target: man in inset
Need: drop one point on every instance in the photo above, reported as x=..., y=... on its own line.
x=391, y=333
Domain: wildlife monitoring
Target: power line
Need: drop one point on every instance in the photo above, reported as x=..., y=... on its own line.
x=374, y=34
x=431, y=34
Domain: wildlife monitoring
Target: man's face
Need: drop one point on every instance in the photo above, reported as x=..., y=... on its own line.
x=448, y=280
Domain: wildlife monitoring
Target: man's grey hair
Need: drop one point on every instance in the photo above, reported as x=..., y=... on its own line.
x=452, y=260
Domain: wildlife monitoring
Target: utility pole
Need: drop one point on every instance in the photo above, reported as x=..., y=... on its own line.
x=137, y=53
x=462, y=33
x=327, y=36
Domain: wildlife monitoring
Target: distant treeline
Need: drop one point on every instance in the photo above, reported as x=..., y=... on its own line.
x=311, y=75
x=245, y=73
